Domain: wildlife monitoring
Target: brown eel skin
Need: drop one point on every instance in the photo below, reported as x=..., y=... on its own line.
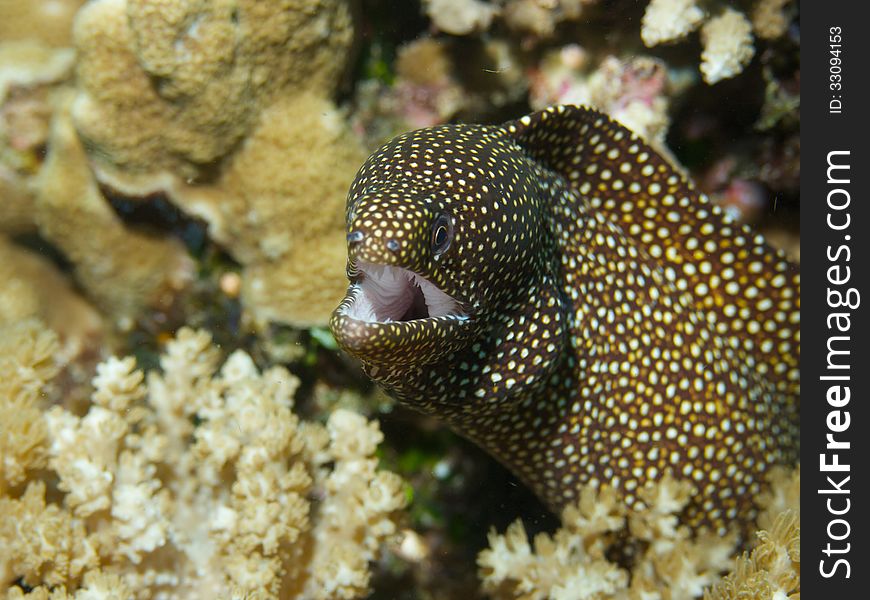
x=556, y=291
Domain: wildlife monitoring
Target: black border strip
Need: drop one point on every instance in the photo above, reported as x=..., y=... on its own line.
x=834, y=130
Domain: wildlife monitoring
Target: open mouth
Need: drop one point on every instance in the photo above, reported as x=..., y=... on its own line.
x=385, y=293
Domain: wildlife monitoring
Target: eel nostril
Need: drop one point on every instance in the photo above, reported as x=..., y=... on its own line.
x=392, y=245
x=355, y=236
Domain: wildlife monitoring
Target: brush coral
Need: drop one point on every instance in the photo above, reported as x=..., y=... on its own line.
x=225, y=108
x=660, y=557
x=197, y=481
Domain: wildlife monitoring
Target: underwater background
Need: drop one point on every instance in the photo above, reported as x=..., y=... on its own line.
x=176, y=420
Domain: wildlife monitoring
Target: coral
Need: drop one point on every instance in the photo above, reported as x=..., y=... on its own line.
x=425, y=92
x=669, y=564
x=121, y=269
x=27, y=363
x=216, y=66
x=48, y=21
x=58, y=198
x=784, y=494
x=226, y=110
x=42, y=543
x=194, y=481
x=29, y=71
x=771, y=570
x=727, y=41
x=32, y=287
x=770, y=18
x=573, y=562
x=461, y=17
x=669, y=21
x=727, y=38
x=633, y=91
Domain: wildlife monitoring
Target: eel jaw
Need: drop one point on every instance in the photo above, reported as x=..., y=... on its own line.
x=392, y=316
x=387, y=294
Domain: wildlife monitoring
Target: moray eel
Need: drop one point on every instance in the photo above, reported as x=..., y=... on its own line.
x=557, y=292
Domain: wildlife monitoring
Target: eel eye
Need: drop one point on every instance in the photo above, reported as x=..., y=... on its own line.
x=442, y=233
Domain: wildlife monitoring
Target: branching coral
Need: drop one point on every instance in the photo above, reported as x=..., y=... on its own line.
x=726, y=37
x=667, y=563
x=225, y=108
x=771, y=570
x=573, y=563
x=27, y=363
x=193, y=482
x=770, y=18
x=461, y=17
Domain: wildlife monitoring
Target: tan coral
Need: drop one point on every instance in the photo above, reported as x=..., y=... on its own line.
x=280, y=209
x=196, y=481
x=670, y=563
x=669, y=21
x=771, y=570
x=27, y=362
x=770, y=18
x=461, y=17
x=728, y=46
x=33, y=287
x=48, y=21
x=573, y=563
x=122, y=270
x=214, y=64
x=29, y=72
x=238, y=129
x=783, y=494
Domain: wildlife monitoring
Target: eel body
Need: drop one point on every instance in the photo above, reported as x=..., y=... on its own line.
x=557, y=292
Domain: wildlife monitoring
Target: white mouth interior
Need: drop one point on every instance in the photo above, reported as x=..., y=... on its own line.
x=387, y=293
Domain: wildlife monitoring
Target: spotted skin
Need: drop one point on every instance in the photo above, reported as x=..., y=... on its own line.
x=617, y=326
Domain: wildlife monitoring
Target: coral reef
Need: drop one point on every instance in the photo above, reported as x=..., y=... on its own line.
x=728, y=48
x=33, y=288
x=121, y=269
x=57, y=197
x=770, y=18
x=226, y=110
x=665, y=561
x=726, y=35
x=461, y=17
x=29, y=72
x=669, y=20
x=45, y=20
x=573, y=563
x=771, y=570
x=129, y=129
x=633, y=91
x=190, y=482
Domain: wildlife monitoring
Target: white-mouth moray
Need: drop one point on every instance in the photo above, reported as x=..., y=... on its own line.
x=557, y=292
